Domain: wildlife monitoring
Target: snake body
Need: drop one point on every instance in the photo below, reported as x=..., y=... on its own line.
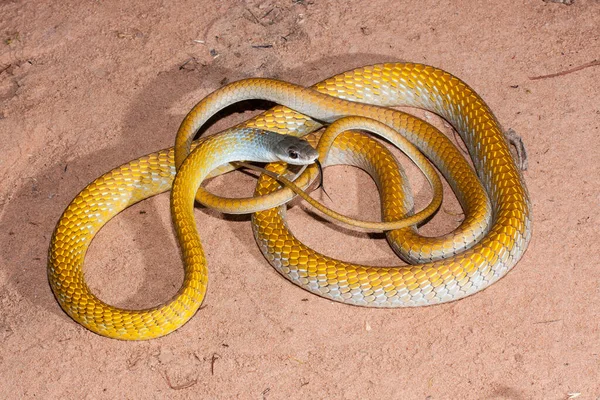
x=487, y=244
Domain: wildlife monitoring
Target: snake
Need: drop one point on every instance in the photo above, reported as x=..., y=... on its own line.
x=490, y=240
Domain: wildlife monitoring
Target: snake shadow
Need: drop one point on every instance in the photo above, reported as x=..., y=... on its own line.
x=37, y=205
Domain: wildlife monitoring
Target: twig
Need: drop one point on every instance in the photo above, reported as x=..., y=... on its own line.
x=253, y=16
x=267, y=13
x=565, y=2
x=182, y=66
x=5, y=68
x=547, y=322
x=264, y=393
x=214, y=358
x=579, y=68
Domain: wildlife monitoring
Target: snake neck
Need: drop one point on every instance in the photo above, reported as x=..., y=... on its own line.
x=248, y=144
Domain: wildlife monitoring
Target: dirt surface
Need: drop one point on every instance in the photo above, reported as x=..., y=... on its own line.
x=87, y=86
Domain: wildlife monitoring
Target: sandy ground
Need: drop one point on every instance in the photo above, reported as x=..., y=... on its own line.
x=86, y=86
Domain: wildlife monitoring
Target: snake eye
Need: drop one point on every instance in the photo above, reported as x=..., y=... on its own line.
x=293, y=154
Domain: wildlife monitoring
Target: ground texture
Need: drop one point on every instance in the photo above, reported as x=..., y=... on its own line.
x=86, y=86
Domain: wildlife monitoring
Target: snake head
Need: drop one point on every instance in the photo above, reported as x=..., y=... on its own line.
x=296, y=151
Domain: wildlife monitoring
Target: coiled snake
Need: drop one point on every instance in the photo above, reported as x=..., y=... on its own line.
x=491, y=239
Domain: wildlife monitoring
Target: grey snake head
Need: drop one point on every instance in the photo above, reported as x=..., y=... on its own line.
x=294, y=150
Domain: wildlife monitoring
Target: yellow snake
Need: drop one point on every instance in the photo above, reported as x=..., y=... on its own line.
x=488, y=243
